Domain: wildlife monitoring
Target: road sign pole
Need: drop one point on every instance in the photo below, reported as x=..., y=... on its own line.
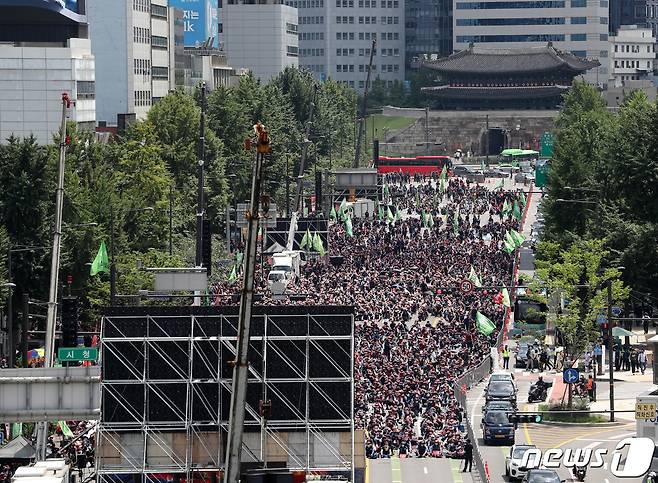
x=610, y=362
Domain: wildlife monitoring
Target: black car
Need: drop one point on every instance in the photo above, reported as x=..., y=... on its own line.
x=500, y=390
x=499, y=405
x=521, y=356
x=496, y=427
x=542, y=476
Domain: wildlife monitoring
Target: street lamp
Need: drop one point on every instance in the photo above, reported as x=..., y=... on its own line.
x=113, y=270
x=611, y=366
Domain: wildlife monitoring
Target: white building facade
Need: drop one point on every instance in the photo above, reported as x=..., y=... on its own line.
x=130, y=40
x=632, y=55
x=37, y=66
x=261, y=38
x=576, y=26
x=335, y=39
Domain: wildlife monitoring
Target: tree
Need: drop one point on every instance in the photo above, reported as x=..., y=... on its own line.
x=580, y=275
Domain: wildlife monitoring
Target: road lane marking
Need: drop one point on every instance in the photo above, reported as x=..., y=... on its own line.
x=396, y=472
x=525, y=428
x=456, y=472
x=425, y=469
x=593, y=445
x=570, y=440
x=367, y=475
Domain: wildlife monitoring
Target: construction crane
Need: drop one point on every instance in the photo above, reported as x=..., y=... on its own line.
x=240, y=364
x=298, y=206
x=362, y=115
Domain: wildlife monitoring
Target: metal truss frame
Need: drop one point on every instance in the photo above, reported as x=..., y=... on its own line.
x=140, y=445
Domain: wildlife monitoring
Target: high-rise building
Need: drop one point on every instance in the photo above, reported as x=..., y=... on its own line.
x=44, y=52
x=130, y=39
x=643, y=13
x=335, y=39
x=632, y=54
x=576, y=26
x=259, y=36
x=428, y=29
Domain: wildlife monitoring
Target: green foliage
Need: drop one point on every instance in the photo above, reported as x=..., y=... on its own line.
x=580, y=273
x=612, y=162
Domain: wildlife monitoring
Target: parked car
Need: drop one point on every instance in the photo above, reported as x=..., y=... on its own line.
x=496, y=427
x=542, y=476
x=500, y=390
x=513, y=468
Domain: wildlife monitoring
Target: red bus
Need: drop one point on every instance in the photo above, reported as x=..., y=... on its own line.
x=425, y=165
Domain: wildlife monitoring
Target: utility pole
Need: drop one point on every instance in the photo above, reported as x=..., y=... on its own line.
x=201, y=160
x=240, y=365
x=171, y=220
x=57, y=236
x=363, y=107
x=42, y=428
x=25, y=327
x=611, y=365
x=10, y=317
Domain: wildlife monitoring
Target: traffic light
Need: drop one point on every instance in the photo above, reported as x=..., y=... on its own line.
x=70, y=321
x=206, y=246
x=524, y=418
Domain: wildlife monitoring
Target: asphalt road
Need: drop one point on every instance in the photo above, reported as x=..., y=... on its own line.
x=425, y=470
x=546, y=435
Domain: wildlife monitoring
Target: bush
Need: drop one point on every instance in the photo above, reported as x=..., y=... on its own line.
x=562, y=414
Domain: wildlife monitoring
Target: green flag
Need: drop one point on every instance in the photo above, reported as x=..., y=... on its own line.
x=342, y=208
x=417, y=198
x=444, y=173
x=516, y=211
x=389, y=215
x=442, y=185
x=455, y=223
x=66, y=431
x=499, y=185
x=307, y=239
x=317, y=245
x=233, y=276
x=505, y=207
x=386, y=191
x=517, y=238
x=508, y=246
x=348, y=226
x=239, y=256
x=506, y=301
x=430, y=221
x=473, y=277
x=380, y=213
x=397, y=214
x=423, y=218
x=523, y=198
x=101, y=263
x=332, y=215
x=16, y=430
x=484, y=325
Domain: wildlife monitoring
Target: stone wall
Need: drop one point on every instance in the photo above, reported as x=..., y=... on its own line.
x=466, y=130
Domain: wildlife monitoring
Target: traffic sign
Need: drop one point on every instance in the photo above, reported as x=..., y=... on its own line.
x=645, y=410
x=546, y=150
x=466, y=286
x=601, y=319
x=616, y=311
x=571, y=375
x=66, y=354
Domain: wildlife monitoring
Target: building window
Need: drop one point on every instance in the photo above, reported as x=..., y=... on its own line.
x=473, y=22
x=510, y=5
x=578, y=20
x=159, y=11
x=86, y=89
x=159, y=42
x=141, y=35
x=142, y=98
x=578, y=37
x=603, y=20
x=578, y=3
x=603, y=37
x=160, y=72
x=292, y=51
x=291, y=28
x=579, y=53
x=465, y=39
x=141, y=5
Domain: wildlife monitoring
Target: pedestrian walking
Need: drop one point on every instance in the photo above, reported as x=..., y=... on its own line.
x=506, y=355
x=642, y=361
x=634, y=364
x=645, y=323
x=468, y=456
x=590, y=388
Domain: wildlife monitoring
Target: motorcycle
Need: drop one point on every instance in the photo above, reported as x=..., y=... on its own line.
x=579, y=472
x=538, y=393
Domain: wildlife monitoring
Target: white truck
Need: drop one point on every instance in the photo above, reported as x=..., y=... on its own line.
x=285, y=267
x=54, y=470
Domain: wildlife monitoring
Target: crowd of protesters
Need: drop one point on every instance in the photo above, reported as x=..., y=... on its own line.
x=415, y=331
